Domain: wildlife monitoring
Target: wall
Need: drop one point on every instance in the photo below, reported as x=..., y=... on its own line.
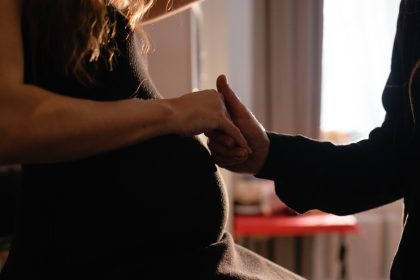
x=170, y=59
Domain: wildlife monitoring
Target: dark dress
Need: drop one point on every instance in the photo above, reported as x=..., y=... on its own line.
x=384, y=168
x=155, y=210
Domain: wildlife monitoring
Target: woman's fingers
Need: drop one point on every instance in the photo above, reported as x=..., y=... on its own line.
x=204, y=112
x=224, y=150
x=235, y=133
x=221, y=138
x=227, y=155
x=230, y=129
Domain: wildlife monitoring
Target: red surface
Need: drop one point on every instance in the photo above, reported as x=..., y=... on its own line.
x=293, y=225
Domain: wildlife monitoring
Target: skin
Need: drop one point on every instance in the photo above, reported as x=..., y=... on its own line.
x=223, y=148
x=39, y=126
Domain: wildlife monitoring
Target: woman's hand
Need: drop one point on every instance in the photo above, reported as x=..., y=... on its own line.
x=202, y=112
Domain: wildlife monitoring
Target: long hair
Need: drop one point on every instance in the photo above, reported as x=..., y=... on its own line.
x=78, y=32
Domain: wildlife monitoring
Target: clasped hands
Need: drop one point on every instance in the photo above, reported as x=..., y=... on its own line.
x=230, y=153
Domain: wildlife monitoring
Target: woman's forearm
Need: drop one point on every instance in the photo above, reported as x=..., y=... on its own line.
x=41, y=126
x=38, y=126
x=164, y=8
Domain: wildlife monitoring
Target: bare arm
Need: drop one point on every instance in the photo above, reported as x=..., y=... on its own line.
x=39, y=126
x=165, y=8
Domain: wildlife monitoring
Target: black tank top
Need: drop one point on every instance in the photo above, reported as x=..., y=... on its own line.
x=151, y=198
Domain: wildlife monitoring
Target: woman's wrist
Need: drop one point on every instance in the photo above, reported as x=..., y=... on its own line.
x=169, y=122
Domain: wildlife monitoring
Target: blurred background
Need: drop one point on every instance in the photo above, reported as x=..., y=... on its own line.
x=308, y=67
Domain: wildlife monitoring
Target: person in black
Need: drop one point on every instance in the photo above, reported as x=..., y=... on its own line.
x=346, y=179
x=155, y=209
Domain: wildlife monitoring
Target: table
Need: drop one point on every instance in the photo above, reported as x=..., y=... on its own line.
x=297, y=226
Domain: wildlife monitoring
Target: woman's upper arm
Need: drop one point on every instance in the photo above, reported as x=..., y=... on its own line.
x=11, y=50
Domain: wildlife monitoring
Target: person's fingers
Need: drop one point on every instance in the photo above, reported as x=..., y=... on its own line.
x=222, y=85
x=221, y=138
x=227, y=157
x=224, y=121
x=231, y=99
x=235, y=133
x=219, y=149
x=221, y=96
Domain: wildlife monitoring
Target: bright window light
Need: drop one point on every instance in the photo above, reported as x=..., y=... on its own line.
x=358, y=39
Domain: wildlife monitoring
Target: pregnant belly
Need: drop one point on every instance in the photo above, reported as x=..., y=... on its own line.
x=176, y=186
x=164, y=195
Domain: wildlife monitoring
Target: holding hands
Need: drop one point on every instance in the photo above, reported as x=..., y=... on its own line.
x=224, y=148
x=237, y=141
x=201, y=112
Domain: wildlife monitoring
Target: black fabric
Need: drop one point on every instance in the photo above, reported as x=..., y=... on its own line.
x=9, y=186
x=346, y=179
x=155, y=210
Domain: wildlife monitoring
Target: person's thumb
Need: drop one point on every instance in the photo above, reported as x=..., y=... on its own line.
x=232, y=102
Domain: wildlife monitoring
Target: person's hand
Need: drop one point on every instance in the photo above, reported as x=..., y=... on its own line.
x=224, y=150
x=204, y=111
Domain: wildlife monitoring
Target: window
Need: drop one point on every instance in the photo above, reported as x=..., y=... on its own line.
x=357, y=47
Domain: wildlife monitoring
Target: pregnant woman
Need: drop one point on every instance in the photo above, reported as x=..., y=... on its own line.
x=154, y=209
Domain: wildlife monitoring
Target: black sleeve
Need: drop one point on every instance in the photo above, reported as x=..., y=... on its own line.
x=335, y=179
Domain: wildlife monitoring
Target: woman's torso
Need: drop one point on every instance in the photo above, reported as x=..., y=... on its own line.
x=138, y=205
